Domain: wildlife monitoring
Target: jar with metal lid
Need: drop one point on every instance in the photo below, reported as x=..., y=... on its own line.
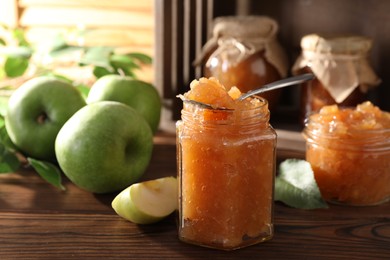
x=342, y=69
x=226, y=170
x=245, y=53
x=349, y=151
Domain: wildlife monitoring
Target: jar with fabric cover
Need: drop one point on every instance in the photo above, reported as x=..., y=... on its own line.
x=244, y=52
x=343, y=72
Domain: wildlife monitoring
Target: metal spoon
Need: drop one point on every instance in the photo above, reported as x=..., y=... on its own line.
x=268, y=87
x=278, y=84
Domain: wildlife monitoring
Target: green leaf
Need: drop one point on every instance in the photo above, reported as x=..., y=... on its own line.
x=15, y=66
x=100, y=71
x=58, y=76
x=123, y=61
x=296, y=186
x=56, y=43
x=97, y=56
x=124, y=64
x=84, y=89
x=48, y=171
x=65, y=51
x=9, y=162
x=2, y=42
x=146, y=59
x=6, y=140
x=19, y=35
x=16, y=51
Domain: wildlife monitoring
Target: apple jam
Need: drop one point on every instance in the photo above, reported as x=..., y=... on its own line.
x=342, y=69
x=226, y=168
x=349, y=151
x=244, y=52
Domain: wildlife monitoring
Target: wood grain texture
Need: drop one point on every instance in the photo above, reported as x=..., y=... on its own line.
x=87, y=17
x=144, y=5
x=38, y=221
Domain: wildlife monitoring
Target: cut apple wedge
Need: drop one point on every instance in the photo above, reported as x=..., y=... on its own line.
x=147, y=202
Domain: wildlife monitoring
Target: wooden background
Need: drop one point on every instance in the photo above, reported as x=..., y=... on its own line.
x=127, y=25
x=179, y=42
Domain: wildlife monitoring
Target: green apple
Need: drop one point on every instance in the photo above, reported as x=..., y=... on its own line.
x=147, y=202
x=36, y=112
x=104, y=147
x=140, y=95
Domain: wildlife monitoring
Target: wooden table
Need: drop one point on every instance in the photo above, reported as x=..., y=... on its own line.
x=37, y=221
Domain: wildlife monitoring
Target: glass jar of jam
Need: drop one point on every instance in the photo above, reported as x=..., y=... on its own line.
x=349, y=151
x=342, y=70
x=245, y=53
x=226, y=169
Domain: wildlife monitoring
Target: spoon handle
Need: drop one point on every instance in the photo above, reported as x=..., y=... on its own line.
x=279, y=84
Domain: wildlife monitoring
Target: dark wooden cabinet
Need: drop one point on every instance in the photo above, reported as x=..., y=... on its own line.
x=182, y=27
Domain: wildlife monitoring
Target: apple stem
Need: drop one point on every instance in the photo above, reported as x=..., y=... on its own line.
x=121, y=72
x=42, y=118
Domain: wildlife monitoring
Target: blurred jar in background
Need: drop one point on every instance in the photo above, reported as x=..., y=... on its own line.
x=342, y=69
x=245, y=53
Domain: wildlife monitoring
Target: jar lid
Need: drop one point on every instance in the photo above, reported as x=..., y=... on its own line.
x=245, y=26
x=339, y=62
x=336, y=44
x=258, y=32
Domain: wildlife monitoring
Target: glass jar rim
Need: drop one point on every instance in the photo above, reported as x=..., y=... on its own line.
x=309, y=120
x=351, y=139
x=226, y=116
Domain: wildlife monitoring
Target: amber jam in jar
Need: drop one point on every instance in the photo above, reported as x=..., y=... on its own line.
x=245, y=53
x=226, y=169
x=349, y=151
x=342, y=69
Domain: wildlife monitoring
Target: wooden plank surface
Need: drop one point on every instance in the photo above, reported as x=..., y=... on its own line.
x=9, y=13
x=87, y=17
x=144, y=5
x=38, y=221
x=118, y=37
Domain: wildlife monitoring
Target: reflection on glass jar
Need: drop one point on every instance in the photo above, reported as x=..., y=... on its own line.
x=349, y=150
x=226, y=168
x=245, y=53
x=343, y=73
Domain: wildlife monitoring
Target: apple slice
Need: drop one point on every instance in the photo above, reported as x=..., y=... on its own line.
x=147, y=202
